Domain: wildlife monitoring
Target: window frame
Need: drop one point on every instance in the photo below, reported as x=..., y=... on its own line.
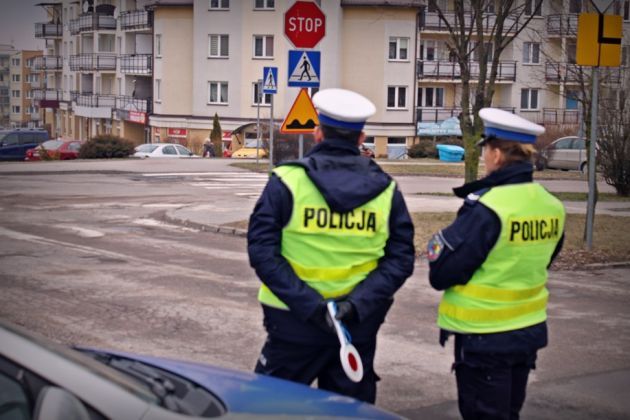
x=264, y=47
x=397, y=98
x=219, y=90
x=529, y=92
x=421, y=100
x=266, y=97
x=530, y=10
x=158, y=45
x=398, y=40
x=529, y=46
x=158, y=90
x=220, y=53
x=220, y=5
x=265, y=5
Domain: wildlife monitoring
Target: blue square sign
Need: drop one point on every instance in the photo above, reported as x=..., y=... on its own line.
x=270, y=80
x=304, y=68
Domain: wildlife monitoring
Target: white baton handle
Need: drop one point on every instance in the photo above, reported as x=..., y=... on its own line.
x=348, y=354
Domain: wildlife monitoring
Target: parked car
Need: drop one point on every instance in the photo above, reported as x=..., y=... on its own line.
x=248, y=151
x=564, y=153
x=15, y=142
x=55, y=149
x=163, y=150
x=47, y=381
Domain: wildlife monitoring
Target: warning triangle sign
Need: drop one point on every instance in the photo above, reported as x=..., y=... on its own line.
x=304, y=71
x=302, y=118
x=270, y=82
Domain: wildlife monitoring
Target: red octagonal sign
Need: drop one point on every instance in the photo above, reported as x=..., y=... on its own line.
x=304, y=24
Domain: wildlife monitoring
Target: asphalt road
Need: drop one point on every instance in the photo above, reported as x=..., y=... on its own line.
x=86, y=257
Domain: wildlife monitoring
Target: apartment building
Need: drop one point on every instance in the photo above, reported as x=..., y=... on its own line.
x=6, y=51
x=24, y=111
x=160, y=71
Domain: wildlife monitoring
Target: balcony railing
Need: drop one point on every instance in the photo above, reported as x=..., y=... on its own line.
x=47, y=95
x=136, y=19
x=92, y=22
x=127, y=103
x=36, y=84
x=440, y=114
x=560, y=116
x=136, y=64
x=432, y=22
x=48, y=63
x=95, y=101
x=35, y=115
x=90, y=62
x=562, y=25
x=48, y=30
x=449, y=70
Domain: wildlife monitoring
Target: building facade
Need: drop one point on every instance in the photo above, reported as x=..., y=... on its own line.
x=160, y=71
x=6, y=51
x=24, y=110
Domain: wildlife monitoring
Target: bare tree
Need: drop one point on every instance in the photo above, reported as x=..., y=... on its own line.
x=470, y=27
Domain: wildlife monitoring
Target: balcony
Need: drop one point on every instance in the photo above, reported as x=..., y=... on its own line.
x=141, y=64
x=93, y=62
x=136, y=19
x=48, y=63
x=48, y=30
x=127, y=103
x=562, y=25
x=92, y=22
x=35, y=116
x=440, y=114
x=432, y=22
x=560, y=116
x=91, y=100
x=47, y=95
x=451, y=71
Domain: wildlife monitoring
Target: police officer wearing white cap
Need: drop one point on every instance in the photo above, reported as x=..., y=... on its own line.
x=492, y=264
x=331, y=226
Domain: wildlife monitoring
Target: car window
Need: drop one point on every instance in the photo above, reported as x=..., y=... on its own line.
x=169, y=150
x=563, y=144
x=146, y=148
x=579, y=144
x=27, y=138
x=52, y=144
x=74, y=146
x=183, y=151
x=10, y=139
x=13, y=399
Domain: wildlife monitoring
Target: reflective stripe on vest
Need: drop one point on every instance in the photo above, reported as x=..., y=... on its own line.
x=508, y=291
x=332, y=252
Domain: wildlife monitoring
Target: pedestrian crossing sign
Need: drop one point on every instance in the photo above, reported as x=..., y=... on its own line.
x=302, y=118
x=304, y=68
x=270, y=80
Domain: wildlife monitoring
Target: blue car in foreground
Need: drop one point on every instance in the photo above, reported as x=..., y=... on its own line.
x=44, y=380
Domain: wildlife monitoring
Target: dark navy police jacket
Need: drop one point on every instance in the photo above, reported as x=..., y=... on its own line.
x=472, y=236
x=346, y=180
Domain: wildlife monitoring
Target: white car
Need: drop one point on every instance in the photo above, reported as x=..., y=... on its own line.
x=163, y=150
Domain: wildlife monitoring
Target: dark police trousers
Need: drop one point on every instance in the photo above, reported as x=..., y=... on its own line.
x=491, y=385
x=304, y=363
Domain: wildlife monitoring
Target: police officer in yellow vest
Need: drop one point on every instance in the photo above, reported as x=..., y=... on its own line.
x=332, y=226
x=492, y=264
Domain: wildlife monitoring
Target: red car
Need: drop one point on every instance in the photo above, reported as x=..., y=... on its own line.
x=55, y=149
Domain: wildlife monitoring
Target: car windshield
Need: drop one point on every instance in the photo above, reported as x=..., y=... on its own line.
x=146, y=148
x=3, y=134
x=52, y=144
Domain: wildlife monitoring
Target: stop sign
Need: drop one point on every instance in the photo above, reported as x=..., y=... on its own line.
x=304, y=24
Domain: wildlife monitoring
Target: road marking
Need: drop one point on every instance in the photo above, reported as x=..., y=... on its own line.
x=237, y=174
x=160, y=224
x=85, y=233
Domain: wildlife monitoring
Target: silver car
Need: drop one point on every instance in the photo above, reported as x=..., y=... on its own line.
x=564, y=153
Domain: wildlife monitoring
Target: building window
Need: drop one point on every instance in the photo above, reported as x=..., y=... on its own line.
x=264, y=4
x=475, y=52
x=263, y=46
x=219, y=4
x=490, y=7
x=571, y=100
x=265, y=98
x=158, y=91
x=15, y=93
x=431, y=97
x=218, y=46
x=15, y=77
x=428, y=50
x=529, y=99
x=531, y=53
x=435, y=4
x=571, y=52
x=626, y=10
x=106, y=43
x=158, y=45
x=531, y=9
x=575, y=6
x=396, y=97
x=625, y=55
x=217, y=92
x=398, y=48
x=15, y=109
x=15, y=62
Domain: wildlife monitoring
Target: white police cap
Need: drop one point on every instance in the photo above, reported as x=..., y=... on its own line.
x=504, y=125
x=343, y=108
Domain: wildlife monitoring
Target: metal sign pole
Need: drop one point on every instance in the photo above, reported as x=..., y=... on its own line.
x=271, y=137
x=258, y=98
x=301, y=145
x=590, y=210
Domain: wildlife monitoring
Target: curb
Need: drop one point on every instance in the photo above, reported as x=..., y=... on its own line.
x=226, y=230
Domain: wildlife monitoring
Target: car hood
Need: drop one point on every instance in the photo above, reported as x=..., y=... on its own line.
x=244, y=392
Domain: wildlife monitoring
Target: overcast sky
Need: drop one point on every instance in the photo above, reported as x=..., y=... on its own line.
x=17, y=23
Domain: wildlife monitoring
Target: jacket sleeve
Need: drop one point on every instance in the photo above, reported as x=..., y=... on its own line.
x=393, y=268
x=270, y=215
x=457, y=251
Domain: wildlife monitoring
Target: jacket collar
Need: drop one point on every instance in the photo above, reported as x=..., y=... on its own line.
x=515, y=173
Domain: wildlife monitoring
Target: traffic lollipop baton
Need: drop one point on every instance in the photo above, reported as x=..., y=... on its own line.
x=350, y=358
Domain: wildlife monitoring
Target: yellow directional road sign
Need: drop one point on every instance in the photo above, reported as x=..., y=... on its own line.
x=599, y=40
x=302, y=118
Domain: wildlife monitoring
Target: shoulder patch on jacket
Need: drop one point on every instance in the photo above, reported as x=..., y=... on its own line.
x=473, y=197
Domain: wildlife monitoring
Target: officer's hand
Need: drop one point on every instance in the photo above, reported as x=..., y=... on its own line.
x=322, y=319
x=345, y=311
